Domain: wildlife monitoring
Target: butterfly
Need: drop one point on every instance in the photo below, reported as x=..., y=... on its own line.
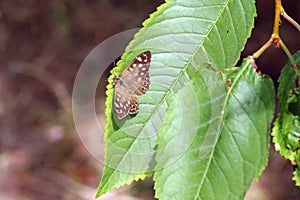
x=134, y=79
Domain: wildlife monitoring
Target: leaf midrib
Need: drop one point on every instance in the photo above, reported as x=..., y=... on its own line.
x=227, y=97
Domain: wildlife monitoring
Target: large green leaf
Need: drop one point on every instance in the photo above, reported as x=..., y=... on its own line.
x=183, y=36
x=235, y=140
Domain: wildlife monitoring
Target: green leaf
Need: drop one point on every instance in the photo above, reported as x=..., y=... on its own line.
x=197, y=108
x=286, y=135
x=286, y=82
x=286, y=130
x=230, y=146
x=182, y=35
x=294, y=101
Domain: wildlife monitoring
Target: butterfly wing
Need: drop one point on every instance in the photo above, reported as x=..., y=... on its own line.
x=133, y=80
x=124, y=102
x=136, y=77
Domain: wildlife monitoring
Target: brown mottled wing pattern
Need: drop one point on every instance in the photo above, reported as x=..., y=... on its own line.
x=133, y=80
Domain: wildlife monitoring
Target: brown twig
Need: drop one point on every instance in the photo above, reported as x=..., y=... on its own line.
x=289, y=19
x=275, y=38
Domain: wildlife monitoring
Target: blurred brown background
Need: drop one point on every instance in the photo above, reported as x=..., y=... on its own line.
x=42, y=45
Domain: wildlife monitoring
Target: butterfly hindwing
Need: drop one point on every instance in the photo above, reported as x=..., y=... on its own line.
x=124, y=105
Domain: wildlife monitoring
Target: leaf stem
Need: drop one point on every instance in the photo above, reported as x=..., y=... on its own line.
x=289, y=19
x=290, y=56
x=263, y=48
x=292, y=60
x=286, y=51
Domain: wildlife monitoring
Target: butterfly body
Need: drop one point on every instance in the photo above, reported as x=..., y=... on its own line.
x=133, y=80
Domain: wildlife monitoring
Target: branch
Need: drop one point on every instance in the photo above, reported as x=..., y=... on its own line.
x=289, y=19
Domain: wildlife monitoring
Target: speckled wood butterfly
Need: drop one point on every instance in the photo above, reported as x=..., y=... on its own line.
x=133, y=80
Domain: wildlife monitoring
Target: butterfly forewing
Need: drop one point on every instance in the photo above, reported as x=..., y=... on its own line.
x=134, y=79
